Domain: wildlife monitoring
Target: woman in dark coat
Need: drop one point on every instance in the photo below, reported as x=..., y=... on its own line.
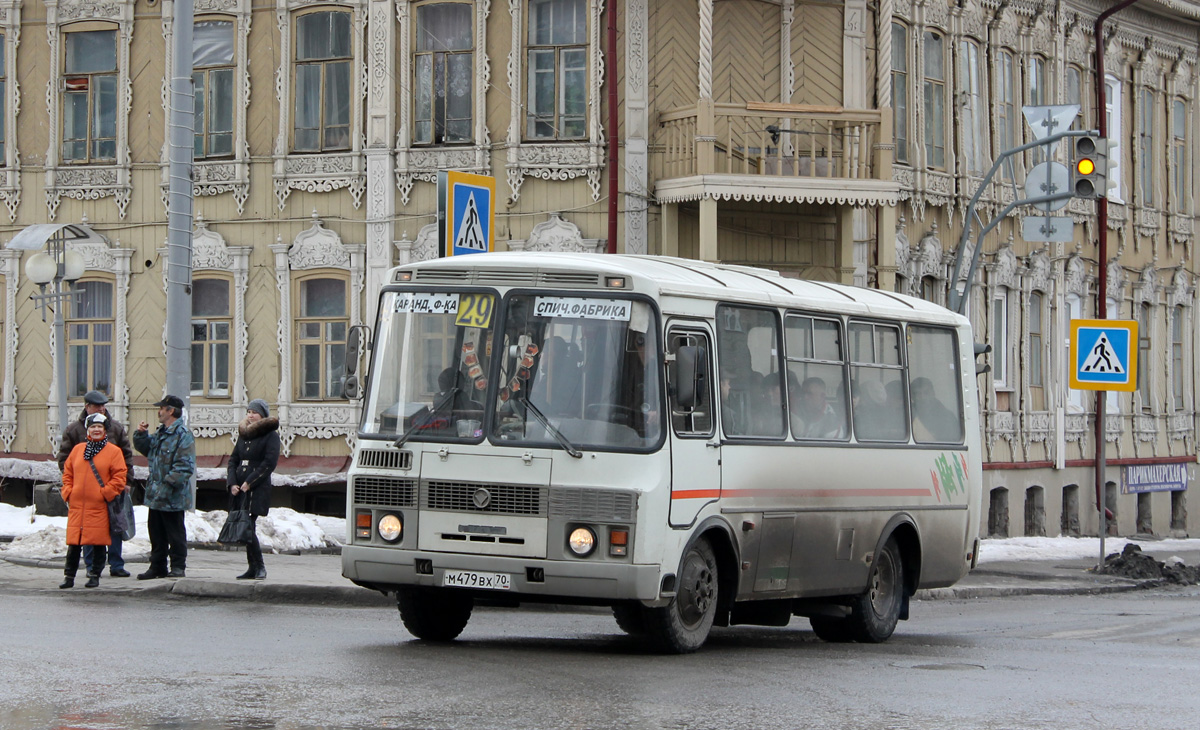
x=248, y=475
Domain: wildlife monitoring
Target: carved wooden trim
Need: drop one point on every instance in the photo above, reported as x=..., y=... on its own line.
x=10, y=269
x=10, y=176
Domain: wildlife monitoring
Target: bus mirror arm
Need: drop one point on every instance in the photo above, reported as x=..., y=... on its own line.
x=352, y=387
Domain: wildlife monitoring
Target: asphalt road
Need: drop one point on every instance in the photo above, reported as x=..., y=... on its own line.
x=93, y=662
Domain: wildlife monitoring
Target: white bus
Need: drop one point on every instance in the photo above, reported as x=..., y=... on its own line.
x=692, y=444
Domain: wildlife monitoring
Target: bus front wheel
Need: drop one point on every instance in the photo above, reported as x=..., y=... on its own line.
x=434, y=614
x=873, y=615
x=682, y=625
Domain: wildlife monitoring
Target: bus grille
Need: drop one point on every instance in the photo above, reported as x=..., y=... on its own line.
x=507, y=499
x=385, y=459
x=385, y=491
x=593, y=505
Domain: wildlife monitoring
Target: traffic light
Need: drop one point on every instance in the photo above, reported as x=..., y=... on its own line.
x=981, y=349
x=1089, y=167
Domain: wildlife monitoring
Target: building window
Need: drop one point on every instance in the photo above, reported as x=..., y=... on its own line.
x=211, y=328
x=556, y=105
x=321, y=336
x=1036, y=377
x=1007, y=123
x=974, y=117
x=1000, y=338
x=1143, y=365
x=931, y=289
x=323, y=61
x=935, y=101
x=212, y=63
x=1074, y=397
x=1178, y=375
x=442, y=73
x=1074, y=91
x=900, y=90
x=1146, y=147
x=1179, y=156
x=1115, y=104
x=90, y=338
x=1038, y=95
x=90, y=97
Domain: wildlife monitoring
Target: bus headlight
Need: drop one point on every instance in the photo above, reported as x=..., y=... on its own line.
x=390, y=527
x=582, y=541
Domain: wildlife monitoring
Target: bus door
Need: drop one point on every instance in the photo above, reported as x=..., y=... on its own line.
x=695, y=447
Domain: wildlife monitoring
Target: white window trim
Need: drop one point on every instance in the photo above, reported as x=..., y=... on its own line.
x=1114, y=102
x=114, y=264
x=315, y=248
x=1181, y=227
x=554, y=160
x=88, y=182
x=424, y=162
x=10, y=176
x=1002, y=305
x=320, y=172
x=10, y=270
x=211, y=254
x=216, y=177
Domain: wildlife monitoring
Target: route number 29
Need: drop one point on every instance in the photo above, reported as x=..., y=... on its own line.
x=475, y=310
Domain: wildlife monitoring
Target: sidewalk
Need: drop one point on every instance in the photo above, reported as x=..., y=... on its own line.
x=316, y=578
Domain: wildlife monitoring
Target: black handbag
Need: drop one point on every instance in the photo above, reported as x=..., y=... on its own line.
x=238, y=528
x=119, y=524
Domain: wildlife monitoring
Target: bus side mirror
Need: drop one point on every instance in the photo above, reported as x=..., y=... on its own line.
x=981, y=349
x=689, y=375
x=352, y=388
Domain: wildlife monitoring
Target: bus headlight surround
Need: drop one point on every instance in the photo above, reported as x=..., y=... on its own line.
x=390, y=527
x=582, y=541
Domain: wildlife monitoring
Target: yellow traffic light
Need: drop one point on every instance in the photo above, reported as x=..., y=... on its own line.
x=1085, y=166
x=1090, y=167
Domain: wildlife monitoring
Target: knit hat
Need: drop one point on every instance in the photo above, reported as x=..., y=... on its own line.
x=95, y=418
x=259, y=406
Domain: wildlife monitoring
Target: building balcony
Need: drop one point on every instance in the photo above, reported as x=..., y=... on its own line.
x=776, y=152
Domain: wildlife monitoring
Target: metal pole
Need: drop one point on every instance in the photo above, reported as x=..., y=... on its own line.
x=613, y=136
x=179, y=211
x=1102, y=254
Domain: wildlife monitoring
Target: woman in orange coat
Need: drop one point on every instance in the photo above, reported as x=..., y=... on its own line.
x=87, y=497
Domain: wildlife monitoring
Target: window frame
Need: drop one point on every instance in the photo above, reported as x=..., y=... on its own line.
x=90, y=343
x=92, y=98
x=1179, y=358
x=324, y=64
x=417, y=53
x=975, y=138
x=844, y=365
x=900, y=97
x=1000, y=338
x=323, y=342
x=934, y=95
x=202, y=125
x=1114, y=103
x=1145, y=380
x=206, y=390
x=528, y=47
x=1180, y=157
x=1007, y=121
x=1147, y=173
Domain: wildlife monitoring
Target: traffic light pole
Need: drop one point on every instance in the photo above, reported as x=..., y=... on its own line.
x=1102, y=254
x=957, y=300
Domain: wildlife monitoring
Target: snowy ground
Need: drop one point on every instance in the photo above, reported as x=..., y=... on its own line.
x=36, y=536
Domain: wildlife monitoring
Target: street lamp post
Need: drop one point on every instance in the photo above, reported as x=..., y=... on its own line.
x=54, y=266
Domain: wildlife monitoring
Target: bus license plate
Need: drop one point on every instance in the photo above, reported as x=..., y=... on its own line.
x=471, y=579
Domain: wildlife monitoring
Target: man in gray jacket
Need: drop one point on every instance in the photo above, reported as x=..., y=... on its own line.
x=171, y=451
x=76, y=433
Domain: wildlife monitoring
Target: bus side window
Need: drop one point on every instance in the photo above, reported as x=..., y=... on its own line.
x=935, y=385
x=696, y=420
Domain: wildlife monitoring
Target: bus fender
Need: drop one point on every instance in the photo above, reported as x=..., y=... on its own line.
x=721, y=537
x=908, y=538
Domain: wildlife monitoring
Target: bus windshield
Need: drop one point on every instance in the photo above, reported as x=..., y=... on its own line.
x=586, y=364
x=432, y=359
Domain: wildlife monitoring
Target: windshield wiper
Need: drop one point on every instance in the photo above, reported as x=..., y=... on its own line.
x=437, y=407
x=562, y=440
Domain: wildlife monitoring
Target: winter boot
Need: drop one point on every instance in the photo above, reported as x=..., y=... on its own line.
x=248, y=575
x=68, y=582
x=92, y=581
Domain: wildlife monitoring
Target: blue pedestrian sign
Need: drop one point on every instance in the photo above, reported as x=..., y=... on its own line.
x=1104, y=354
x=466, y=213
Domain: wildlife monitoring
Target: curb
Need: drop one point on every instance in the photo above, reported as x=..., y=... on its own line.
x=965, y=592
x=281, y=593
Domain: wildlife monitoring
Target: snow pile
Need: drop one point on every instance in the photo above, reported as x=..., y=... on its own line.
x=1133, y=563
x=1066, y=548
x=283, y=530
x=47, y=472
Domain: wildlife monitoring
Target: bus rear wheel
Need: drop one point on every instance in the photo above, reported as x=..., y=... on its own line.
x=874, y=614
x=434, y=614
x=682, y=626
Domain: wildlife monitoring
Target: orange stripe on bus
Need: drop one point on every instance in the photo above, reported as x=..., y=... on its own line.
x=733, y=493
x=696, y=494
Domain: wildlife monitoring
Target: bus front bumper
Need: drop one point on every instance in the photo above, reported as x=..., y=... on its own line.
x=387, y=569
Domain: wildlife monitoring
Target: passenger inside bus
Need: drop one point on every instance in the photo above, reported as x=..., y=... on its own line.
x=813, y=416
x=876, y=418
x=932, y=421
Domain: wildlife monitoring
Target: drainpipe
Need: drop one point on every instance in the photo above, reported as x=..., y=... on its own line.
x=611, y=67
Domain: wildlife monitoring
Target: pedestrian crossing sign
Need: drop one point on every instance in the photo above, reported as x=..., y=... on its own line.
x=466, y=213
x=1104, y=354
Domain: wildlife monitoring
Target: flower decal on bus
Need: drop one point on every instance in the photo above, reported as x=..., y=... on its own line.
x=950, y=475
